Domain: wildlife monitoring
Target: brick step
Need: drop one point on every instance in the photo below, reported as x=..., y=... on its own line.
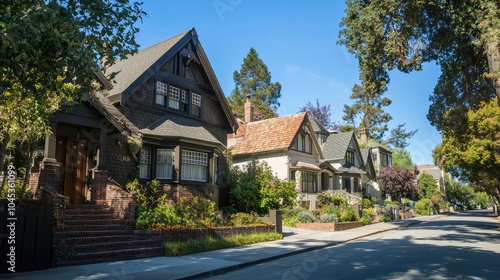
x=118, y=245
x=97, y=233
x=94, y=216
x=97, y=227
x=79, y=212
x=113, y=255
x=84, y=223
x=111, y=238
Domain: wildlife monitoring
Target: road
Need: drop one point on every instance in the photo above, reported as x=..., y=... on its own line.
x=464, y=246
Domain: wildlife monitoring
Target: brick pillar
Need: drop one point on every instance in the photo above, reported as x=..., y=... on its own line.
x=98, y=186
x=49, y=174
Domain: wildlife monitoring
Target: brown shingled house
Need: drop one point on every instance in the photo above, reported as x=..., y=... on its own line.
x=164, y=117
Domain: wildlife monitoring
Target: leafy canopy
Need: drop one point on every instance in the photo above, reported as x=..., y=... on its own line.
x=427, y=186
x=461, y=36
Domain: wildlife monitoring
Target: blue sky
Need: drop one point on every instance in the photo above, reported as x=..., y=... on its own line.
x=297, y=42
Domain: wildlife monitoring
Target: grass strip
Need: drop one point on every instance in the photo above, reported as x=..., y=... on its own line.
x=208, y=244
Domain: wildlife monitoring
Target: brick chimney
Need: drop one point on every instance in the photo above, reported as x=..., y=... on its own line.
x=248, y=110
x=364, y=134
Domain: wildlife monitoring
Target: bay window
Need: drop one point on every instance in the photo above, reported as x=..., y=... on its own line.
x=164, y=163
x=194, y=166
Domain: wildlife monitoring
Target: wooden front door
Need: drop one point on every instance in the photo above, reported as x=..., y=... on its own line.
x=74, y=169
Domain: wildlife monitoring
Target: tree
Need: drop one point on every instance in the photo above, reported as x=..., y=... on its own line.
x=254, y=80
x=322, y=113
x=49, y=54
x=368, y=108
x=398, y=182
x=399, y=137
x=455, y=191
x=427, y=186
x=461, y=36
x=474, y=155
x=402, y=158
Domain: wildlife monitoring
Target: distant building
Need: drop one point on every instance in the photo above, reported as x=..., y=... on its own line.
x=436, y=172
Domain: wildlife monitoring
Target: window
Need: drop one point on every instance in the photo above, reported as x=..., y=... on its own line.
x=349, y=157
x=184, y=102
x=161, y=92
x=194, y=166
x=145, y=163
x=385, y=160
x=302, y=143
x=196, y=104
x=174, y=94
x=164, y=163
x=215, y=179
x=309, y=181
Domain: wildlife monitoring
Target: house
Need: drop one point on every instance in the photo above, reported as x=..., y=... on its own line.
x=436, y=172
x=290, y=147
x=163, y=116
x=341, y=150
x=369, y=180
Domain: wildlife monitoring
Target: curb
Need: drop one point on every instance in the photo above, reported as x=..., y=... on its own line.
x=224, y=270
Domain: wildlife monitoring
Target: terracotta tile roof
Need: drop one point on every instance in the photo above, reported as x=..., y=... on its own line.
x=306, y=165
x=269, y=135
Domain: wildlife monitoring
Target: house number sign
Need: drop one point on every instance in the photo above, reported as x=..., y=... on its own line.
x=124, y=158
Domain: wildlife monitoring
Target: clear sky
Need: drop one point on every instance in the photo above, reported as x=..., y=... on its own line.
x=297, y=40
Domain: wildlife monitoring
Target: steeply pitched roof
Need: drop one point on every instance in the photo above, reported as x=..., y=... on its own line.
x=365, y=152
x=133, y=72
x=269, y=135
x=317, y=126
x=336, y=145
x=128, y=71
x=434, y=170
x=173, y=126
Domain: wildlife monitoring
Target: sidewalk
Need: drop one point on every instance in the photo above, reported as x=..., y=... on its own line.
x=212, y=263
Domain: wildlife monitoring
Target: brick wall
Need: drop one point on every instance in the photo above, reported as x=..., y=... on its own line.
x=122, y=203
x=330, y=226
x=98, y=186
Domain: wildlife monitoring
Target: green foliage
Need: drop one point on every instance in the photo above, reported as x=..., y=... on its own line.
x=326, y=197
x=366, y=219
x=427, y=185
x=305, y=217
x=328, y=218
x=473, y=155
x=424, y=207
x=208, y=244
x=197, y=211
x=241, y=219
x=482, y=200
x=367, y=203
x=290, y=216
x=385, y=219
x=402, y=158
x=399, y=137
x=257, y=189
x=254, y=80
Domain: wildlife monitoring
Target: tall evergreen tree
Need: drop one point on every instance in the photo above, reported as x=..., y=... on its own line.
x=367, y=111
x=399, y=137
x=254, y=80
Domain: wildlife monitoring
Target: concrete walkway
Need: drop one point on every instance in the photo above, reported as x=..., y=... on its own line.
x=212, y=263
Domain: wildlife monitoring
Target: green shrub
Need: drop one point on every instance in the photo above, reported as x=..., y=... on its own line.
x=366, y=203
x=385, y=218
x=328, y=218
x=197, y=211
x=368, y=211
x=366, y=219
x=305, y=217
x=241, y=219
x=423, y=207
x=289, y=216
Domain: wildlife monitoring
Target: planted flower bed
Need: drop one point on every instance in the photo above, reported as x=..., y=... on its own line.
x=330, y=226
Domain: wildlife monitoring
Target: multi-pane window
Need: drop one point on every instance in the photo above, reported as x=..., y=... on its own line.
x=196, y=104
x=174, y=94
x=184, y=101
x=349, y=157
x=161, y=92
x=385, y=160
x=145, y=163
x=309, y=181
x=194, y=166
x=164, y=163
